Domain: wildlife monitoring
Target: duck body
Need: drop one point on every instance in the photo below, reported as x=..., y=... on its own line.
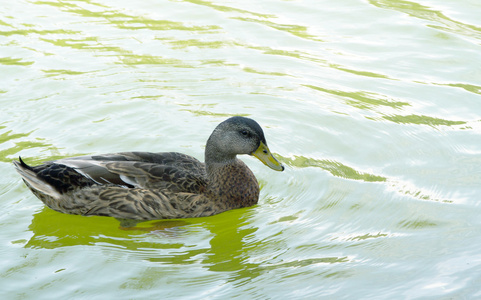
x=149, y=186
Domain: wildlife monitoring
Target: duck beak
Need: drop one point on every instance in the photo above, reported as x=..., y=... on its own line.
x=264, y=154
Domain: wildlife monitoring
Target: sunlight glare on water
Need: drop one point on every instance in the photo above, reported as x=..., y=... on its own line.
x=374, y=108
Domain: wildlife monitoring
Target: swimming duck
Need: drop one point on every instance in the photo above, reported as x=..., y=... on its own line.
x=150, y=186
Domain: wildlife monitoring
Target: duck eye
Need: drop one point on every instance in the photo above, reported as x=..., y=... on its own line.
x=244, y=132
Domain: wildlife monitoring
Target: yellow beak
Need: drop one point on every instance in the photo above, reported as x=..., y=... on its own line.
x=264, y=154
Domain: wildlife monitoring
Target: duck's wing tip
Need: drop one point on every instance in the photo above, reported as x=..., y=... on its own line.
x=33, y=181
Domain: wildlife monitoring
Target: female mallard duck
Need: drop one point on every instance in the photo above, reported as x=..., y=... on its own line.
x=149, y=186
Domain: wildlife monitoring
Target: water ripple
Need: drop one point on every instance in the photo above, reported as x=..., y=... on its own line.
x=426, y=13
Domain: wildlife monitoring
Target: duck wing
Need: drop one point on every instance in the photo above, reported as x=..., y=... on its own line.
x=172, y=171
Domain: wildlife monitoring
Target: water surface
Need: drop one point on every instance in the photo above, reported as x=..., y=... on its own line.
x=373, y=106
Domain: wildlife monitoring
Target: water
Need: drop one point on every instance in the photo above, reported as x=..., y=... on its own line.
x=373, y=106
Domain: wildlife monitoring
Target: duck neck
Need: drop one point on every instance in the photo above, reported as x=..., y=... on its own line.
x=215, y=158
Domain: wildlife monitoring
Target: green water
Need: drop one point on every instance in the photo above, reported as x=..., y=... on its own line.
x=374, y=107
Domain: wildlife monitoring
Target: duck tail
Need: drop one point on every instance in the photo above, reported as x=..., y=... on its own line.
x=34, y=181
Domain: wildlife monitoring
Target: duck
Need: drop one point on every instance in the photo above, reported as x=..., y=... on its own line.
x=143, y=186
